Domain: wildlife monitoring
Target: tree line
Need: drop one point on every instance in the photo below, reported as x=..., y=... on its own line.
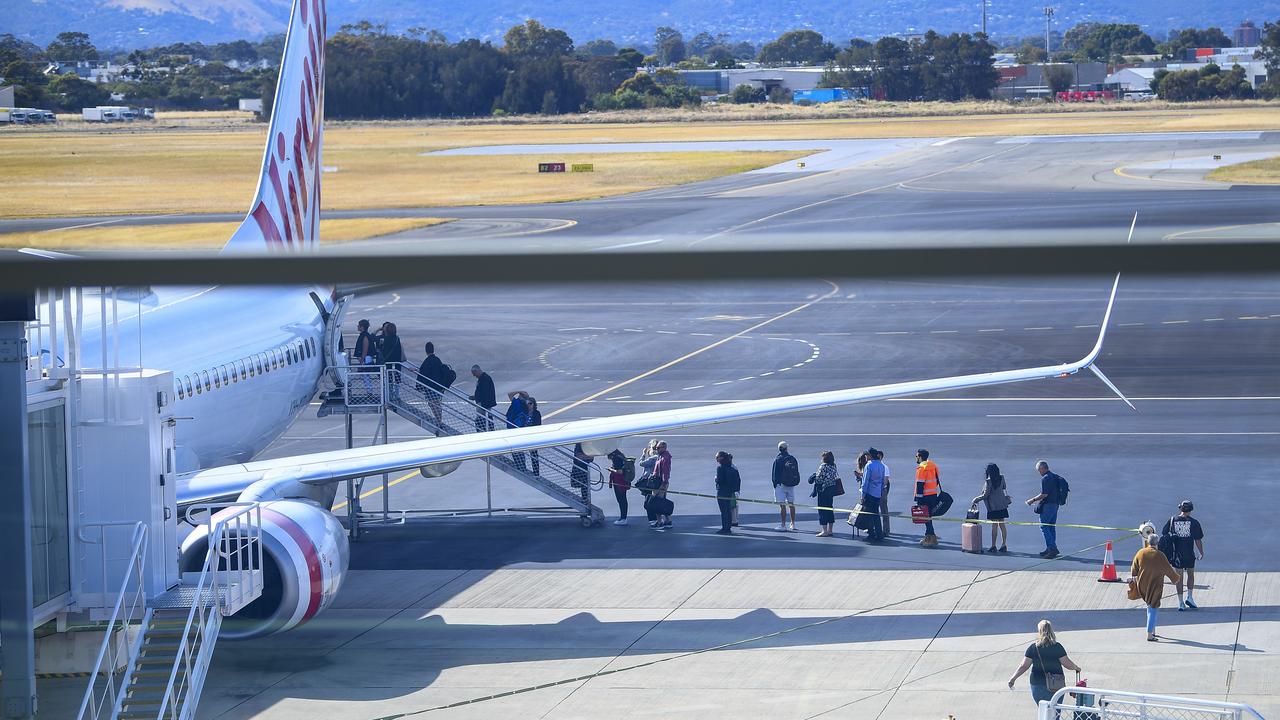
x=375, y=73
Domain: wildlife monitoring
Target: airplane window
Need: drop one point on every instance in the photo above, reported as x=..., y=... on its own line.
x=225, y=380
x=275, y=359
x=240, y=367
x=178, y=384
x=204, y=375
x=217, y=381
x=261, y=369
x=187, y=380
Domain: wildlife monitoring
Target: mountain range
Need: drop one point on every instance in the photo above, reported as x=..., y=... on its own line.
x=126, y=24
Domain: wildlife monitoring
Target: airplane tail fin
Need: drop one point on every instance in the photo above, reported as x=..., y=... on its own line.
x=285, y=213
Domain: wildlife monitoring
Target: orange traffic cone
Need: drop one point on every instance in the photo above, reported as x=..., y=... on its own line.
x=1109, y=567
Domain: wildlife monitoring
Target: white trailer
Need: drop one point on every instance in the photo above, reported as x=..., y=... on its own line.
x=4, y=115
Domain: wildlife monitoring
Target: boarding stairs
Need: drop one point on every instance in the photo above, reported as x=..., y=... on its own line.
x=173, y=637
x=394, y=387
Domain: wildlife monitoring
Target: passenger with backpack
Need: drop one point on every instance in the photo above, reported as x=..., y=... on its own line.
x=646, y=483
x=1181, y=540
x=517, y=416
x=1053, y=495
x=786, y=476
x=622, y=471
x=433, y=378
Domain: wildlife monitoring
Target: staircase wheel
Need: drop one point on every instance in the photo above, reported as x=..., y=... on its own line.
x=588, y=521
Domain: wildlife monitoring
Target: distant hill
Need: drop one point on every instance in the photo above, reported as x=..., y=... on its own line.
x=140, y=23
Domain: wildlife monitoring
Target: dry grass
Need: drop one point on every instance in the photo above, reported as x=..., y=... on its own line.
x=378, y=166
x=141, y=168
x=1257, y=172
x=197, y=235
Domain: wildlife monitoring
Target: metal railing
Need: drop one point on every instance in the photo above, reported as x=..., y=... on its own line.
x=1098, y=704
x=230, y=577
x=114, y=665
x=452, y=412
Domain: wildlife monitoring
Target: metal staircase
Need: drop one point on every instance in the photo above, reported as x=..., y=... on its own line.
x=170, y=656
x=394, y=387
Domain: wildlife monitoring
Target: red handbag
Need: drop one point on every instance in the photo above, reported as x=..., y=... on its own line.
x=919, y=514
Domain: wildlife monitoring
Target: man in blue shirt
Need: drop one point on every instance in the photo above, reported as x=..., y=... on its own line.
x=1050, y=489
x=873, y=478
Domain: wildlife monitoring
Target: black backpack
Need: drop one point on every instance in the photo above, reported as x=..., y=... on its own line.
x=448, y=376
x=790, y=472
x=1063, y=489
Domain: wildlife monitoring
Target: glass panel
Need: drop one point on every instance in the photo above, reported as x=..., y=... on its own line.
x=50, y=541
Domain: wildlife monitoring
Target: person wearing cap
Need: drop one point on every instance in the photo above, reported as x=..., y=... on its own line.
x=874, y=478
x=786, y=476
x=1188, y=543
x=928, y=488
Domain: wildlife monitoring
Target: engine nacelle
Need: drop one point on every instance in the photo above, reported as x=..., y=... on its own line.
x=305, y=555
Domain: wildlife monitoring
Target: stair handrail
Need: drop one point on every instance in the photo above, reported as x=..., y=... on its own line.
x=94, y=704
x=407, y=370
x=210, y=591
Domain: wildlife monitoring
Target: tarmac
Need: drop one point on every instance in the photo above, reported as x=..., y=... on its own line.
x=443, y=610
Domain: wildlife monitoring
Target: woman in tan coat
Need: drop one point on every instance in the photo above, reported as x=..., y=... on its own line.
x=1150, y=568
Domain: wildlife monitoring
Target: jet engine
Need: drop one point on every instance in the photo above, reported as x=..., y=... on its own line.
x=305, y=555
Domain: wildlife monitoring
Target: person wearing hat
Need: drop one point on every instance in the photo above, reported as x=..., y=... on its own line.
x=1188, y=543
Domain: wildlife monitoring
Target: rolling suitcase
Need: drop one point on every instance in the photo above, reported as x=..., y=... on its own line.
x=971, y=537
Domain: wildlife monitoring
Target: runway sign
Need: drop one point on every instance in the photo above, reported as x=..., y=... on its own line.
x=583, y=167
x=550, y=167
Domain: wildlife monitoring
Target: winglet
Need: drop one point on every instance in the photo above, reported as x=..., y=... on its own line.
x=1098, y=371
x=1092, y=357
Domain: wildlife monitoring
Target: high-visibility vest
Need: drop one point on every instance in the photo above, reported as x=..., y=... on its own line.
x=927, y=473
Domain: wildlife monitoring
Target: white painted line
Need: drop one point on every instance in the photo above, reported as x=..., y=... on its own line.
x=835, y=333
x=666, y=332
x=799, y=364
x=1174, y=322
x=86, y=225
x=694, y=387
x=1044, y=327
x=657, y=392
x=992, y=330
x=942, y=332
x=850, y=296
x=618, y=397
x=782, y=369
x=1250, y=317
x=1039, y=416
x=1213, y=320
x=626, y=245
x=766, y=374
x=749, y=377
x=722, y=382
x=580, y=328
x=631, y=330
x=893, y=332
x=1079, y=327
x=701, y=334
x=1130, y=324
x=948, y=141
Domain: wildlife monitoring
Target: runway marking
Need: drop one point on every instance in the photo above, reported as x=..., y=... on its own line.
x=615, y=397
x=378, y=488
x=626, y=245
x=992, y=330
x=666, y=332
x=1083, y=327
x=1121, y=171
x=1047, y=415
x=1038, y=328
x=694, y=387
x=88, y=225
x=1132, y=324
x=942, y=332
x=766, y=374
x=750, y=377
x=1174, y=322
x=1250, y=317
x=834, y=290
x=846, y=196
x=830, y=334
x=1213, y=320
x=893, y=332
x=948, y=141
x=581, y=328
x=722, y=382
x=632, y=330
x=658, y=392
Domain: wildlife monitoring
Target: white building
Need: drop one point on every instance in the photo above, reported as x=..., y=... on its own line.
x=1133, y=80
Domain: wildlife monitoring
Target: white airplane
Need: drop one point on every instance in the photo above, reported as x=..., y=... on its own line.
x=246, y=361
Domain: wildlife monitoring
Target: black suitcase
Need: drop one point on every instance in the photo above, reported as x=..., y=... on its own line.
x=659, y=505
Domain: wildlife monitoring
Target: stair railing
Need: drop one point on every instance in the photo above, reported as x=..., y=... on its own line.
x=114, y=664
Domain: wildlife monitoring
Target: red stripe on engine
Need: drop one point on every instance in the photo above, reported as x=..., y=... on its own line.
x=309, y=553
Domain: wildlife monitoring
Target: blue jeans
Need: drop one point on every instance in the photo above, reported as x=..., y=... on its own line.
x=1152, y=614
x=1048, y=517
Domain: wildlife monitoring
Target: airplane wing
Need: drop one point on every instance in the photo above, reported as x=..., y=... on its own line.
x=328, y=467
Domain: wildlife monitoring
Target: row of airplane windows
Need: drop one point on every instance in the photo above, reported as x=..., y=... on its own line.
x=224, y=375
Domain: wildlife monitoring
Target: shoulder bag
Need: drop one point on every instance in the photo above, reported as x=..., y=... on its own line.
x=1166, y=544
x=1052, y=681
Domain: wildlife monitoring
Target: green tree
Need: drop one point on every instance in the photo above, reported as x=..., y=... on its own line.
x=1181, y=40
x=534, y=40
x=956, y=66
x=597, y=48
x=703, y=42
x=894, y=75
x=669, y=45
x=745, y=94
x=631, y=57
x=72, y=93
x=641, y=84
x=1106, y=42
x=71, y=46
x=798, y=47
x=851, y=66
x=20, y=49
x=1270, y=52
x=1059, y=78
x=720, y=56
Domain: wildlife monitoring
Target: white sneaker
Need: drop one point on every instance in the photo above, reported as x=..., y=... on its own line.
x=793, y=527
x=781, y=528
x=620, y=521
x=653, y=523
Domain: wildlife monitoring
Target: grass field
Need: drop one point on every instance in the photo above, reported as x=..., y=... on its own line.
x=154, y=169
x=1258, y=172
x=197, y=235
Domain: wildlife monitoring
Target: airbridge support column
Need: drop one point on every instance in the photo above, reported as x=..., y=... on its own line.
x=17, y=637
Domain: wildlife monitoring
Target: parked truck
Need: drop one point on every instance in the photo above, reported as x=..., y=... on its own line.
x=109, y=114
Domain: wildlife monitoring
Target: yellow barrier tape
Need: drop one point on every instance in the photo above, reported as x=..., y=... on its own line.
x=905, y=516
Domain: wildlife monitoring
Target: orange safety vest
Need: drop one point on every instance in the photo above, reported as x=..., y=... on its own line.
x=927, y=473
